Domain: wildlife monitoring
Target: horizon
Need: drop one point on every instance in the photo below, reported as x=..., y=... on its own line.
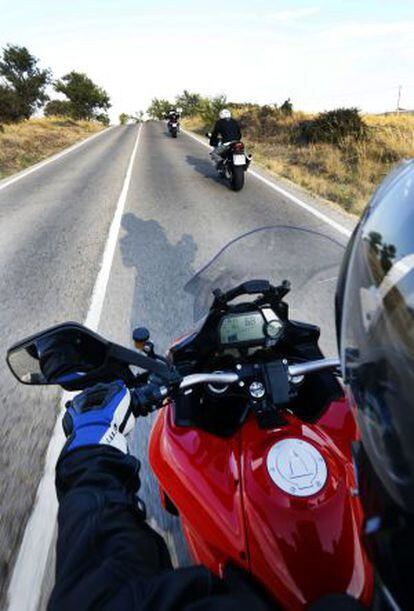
x=322, y=54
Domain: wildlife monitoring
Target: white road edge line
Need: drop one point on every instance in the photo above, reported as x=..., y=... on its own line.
x=320, y=215
x=6, y=182
x=29, y=571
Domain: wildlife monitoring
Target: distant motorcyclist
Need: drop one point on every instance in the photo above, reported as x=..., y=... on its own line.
x=173, y=122
x=173, y=115
x=225, y=130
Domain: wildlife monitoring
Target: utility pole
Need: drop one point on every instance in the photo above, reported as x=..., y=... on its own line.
x=399, y=99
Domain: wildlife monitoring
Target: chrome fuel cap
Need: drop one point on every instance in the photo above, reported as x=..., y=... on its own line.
x=297, y=467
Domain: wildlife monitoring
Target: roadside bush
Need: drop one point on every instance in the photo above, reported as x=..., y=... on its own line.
x=334, y=127
x=270, y=123
x=103, y=118
x=9, y=105
x=58, y=108
x=287, y=108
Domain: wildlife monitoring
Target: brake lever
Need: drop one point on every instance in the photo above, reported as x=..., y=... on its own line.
x=167, y=373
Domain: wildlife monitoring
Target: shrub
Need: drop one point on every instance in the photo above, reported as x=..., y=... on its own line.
x=9, y=105
x=103, y=118
x=334, y=127
x=58, y=108
x=287, y=108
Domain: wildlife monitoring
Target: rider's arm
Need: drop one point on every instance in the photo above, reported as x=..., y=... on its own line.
x=103, y=541
x=108, y=558
x=215, y=135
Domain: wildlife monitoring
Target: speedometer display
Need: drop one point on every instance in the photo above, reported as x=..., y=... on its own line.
x=239, y=328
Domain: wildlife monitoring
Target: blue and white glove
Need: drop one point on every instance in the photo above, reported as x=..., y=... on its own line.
x=100, y=415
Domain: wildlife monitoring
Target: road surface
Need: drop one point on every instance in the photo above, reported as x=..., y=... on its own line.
x=53, y=229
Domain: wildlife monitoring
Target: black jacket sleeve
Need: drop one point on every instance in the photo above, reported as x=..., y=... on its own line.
x=215, y=134
x=109, y=559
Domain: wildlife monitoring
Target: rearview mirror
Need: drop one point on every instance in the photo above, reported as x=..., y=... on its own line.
x=67, y=354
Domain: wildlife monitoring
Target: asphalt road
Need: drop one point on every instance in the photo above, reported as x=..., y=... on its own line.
x=53, y=228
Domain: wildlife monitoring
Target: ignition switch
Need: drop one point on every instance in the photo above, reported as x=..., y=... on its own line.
x=257, y=390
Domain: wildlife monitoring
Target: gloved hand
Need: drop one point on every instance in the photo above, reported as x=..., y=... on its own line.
x=99, y=415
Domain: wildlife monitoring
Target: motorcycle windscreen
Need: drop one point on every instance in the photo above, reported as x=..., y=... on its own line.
x=308, y=259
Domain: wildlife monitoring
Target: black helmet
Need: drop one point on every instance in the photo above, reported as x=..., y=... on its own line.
x=375, y=324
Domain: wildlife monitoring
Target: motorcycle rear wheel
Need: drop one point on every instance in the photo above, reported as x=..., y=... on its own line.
x=237, y=179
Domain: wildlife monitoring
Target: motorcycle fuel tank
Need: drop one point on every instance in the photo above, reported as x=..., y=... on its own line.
x=303, y=517
x=280, y=503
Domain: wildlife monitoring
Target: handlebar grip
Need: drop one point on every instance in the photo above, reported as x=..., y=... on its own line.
x=147, y=398
x=313, y=366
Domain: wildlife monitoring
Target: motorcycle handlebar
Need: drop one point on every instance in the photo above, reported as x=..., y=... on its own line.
x=151, y=396
x=232, y=378
x=313, y=366
x=208, y=378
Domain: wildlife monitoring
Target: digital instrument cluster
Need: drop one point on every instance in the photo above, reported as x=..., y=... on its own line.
x=249, y=328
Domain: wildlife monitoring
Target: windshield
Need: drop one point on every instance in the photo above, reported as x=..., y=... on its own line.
x=308, y=259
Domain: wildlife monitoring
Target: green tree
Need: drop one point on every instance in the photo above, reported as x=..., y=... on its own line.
x=189, y=102
x=88, y=100
x=123, y=118
x=210, y=108
x=103, y=118
x=23, y=84
x=159, y=108
x=59, y=108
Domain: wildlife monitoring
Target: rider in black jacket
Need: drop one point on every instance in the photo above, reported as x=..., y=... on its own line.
x=225, y=130
x=108, y=558
x=173, y=116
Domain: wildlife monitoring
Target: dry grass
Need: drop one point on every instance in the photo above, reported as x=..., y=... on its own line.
x=26, y=143
x=347, y=174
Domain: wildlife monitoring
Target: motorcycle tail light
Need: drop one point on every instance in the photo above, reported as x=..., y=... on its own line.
x=238, y=146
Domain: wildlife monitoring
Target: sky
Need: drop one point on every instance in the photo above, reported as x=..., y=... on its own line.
x=321, y=53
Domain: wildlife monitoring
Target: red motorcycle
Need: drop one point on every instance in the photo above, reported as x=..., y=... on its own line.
x=256, y=462
x=252, y=443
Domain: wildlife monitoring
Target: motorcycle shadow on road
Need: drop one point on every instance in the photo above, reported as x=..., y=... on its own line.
x=204, y=167
x=160, y=303
x=162, y=268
